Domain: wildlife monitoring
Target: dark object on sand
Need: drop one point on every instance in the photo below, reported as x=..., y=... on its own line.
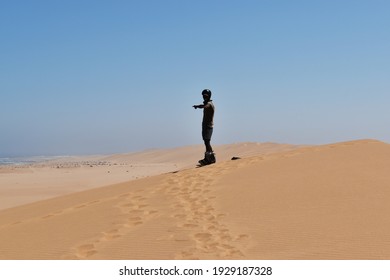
x=235, y=158
x=209, y=158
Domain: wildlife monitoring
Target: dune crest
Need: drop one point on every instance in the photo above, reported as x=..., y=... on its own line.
x=29, y=183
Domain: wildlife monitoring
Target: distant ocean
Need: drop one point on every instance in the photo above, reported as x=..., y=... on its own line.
x=25, y=160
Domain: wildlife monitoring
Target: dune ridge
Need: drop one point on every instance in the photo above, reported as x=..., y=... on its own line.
x=33, y=182
x=318, y=202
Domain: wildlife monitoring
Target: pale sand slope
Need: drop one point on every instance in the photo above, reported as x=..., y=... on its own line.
x=25, y=184
x=323, y=202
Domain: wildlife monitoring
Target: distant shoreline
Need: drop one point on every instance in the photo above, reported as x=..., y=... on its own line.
x=9, y=161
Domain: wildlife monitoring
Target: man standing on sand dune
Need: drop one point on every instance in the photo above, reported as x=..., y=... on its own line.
x=207, y=126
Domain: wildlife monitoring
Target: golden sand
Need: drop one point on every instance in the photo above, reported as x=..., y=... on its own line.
x=318, y=202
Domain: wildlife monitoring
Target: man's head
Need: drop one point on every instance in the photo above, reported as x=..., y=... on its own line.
x=206, y=94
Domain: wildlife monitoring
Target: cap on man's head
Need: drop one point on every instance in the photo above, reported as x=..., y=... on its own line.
x=206, y=92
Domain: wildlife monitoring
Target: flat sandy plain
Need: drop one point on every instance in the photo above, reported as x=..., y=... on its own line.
x=276, y=202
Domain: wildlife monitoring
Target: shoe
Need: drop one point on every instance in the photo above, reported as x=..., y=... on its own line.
x=209, y=157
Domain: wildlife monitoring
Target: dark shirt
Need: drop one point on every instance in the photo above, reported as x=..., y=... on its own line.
x=208, y=114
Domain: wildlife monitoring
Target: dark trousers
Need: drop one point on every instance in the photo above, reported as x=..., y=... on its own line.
x=207, y=132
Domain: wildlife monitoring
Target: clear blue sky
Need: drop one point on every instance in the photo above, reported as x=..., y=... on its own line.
x=91, y=77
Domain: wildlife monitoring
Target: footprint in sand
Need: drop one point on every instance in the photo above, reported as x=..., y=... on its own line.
x=127, y=205
x=135, y=209
x=93, y=202
x=134, y=219
x=241, y=237
x=48, y=216
x=86, y=250
x=136, y=212
x=124, y=195
x=110, y=235
x=194, y=210
x=202, y=236
x=179, y=216
x=190, y=226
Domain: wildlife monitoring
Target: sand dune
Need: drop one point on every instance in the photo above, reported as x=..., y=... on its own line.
x=29, y=183
x=319, y=202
